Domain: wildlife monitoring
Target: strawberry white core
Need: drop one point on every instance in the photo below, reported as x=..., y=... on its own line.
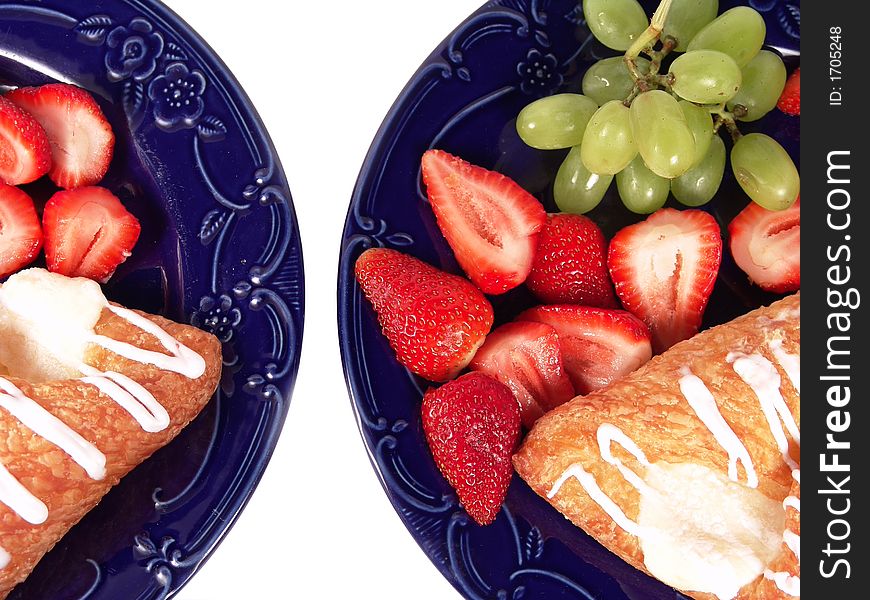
x=46, y=322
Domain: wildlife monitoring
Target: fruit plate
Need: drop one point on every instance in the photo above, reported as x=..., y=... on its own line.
x=219, y=249
x=464, y=99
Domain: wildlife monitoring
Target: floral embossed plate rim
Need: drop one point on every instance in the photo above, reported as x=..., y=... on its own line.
x=464, y=99
x=220, y=249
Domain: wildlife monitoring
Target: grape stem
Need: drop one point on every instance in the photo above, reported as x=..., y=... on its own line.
x=646, y=40
x=645, y=43
x=722, y=116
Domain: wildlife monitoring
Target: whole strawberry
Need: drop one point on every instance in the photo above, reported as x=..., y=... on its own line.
x=570, y=265
x=434, y=321
x=472, y=426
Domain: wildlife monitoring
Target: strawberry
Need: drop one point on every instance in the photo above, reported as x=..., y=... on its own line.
x=81, y=138
x=472, y=426
x=766, y=245
x=25, y=154
x=20, y=233
x=570, y=265
x=598, y=345
x=527, y=358
x=434, y=321
x=790, y=100
x=664, y=269
x=490, y=222
x=88, y=233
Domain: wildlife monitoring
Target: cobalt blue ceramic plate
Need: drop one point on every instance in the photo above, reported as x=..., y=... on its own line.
x=464, y=99
x=219, y=249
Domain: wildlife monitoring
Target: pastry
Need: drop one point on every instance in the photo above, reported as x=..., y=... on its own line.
x=88, y=390
x=689, y=468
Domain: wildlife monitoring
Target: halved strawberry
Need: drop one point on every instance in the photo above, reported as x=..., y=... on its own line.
x=82, y=141
x=790, y=100
x=490, y=222
x=434, y=321
x=664, y=270
x=88, y=233
x=570, y=264
x=472, y=426
x=25, y=154
x=766, y=245
x=526, y=357
x=20, y=233
x=598, y=345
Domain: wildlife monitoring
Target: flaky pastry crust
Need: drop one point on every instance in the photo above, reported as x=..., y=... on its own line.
x=52, y=476
x=650, y=408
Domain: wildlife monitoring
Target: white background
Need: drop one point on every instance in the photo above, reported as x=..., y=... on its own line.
x=322, y=75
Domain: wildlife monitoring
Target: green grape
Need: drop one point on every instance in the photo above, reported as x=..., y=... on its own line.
x=706, y=76
x=663, y=137
x=738, y=32
x=609, y=79
x=577, y=190
x=555, y=121
x=763, y=80
x=608, y=144
x=700, y=123
x=765, y=171
x=615, y=23
x=688, y=17
x=699, y=184
x=641, y=190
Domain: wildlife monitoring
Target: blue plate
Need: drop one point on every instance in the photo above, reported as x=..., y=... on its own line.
x=464, y=99
x=219, y=248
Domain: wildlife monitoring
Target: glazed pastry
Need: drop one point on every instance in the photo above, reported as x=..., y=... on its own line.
x=89, y=390
x=689, y=468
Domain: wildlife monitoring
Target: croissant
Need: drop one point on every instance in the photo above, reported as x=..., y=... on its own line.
x=689, y=468
x=69, y=430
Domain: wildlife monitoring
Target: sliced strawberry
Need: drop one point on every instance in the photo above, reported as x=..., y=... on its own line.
x=598, y=345
x=25, y=154
x=81, y=138
x=434, y=321
x=570, y=265
x=664, y=269
x=88, y=233
x=527, y=358
x=20, y=232
x=766, y=245
x=490, y=222
x=790, y=100
x=472, y=426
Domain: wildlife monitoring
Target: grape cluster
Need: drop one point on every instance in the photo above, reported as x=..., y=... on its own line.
x=655, y=132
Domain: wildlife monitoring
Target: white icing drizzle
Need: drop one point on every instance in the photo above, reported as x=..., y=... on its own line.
x=15, y=496
x=46, y=425
x=183, y=360
x=607, y=434
x=587, y=480
x=704, y=404
x=790, y=363
x=789, y=584
x=130, y=396
x=793, y=541
x=760, y=374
